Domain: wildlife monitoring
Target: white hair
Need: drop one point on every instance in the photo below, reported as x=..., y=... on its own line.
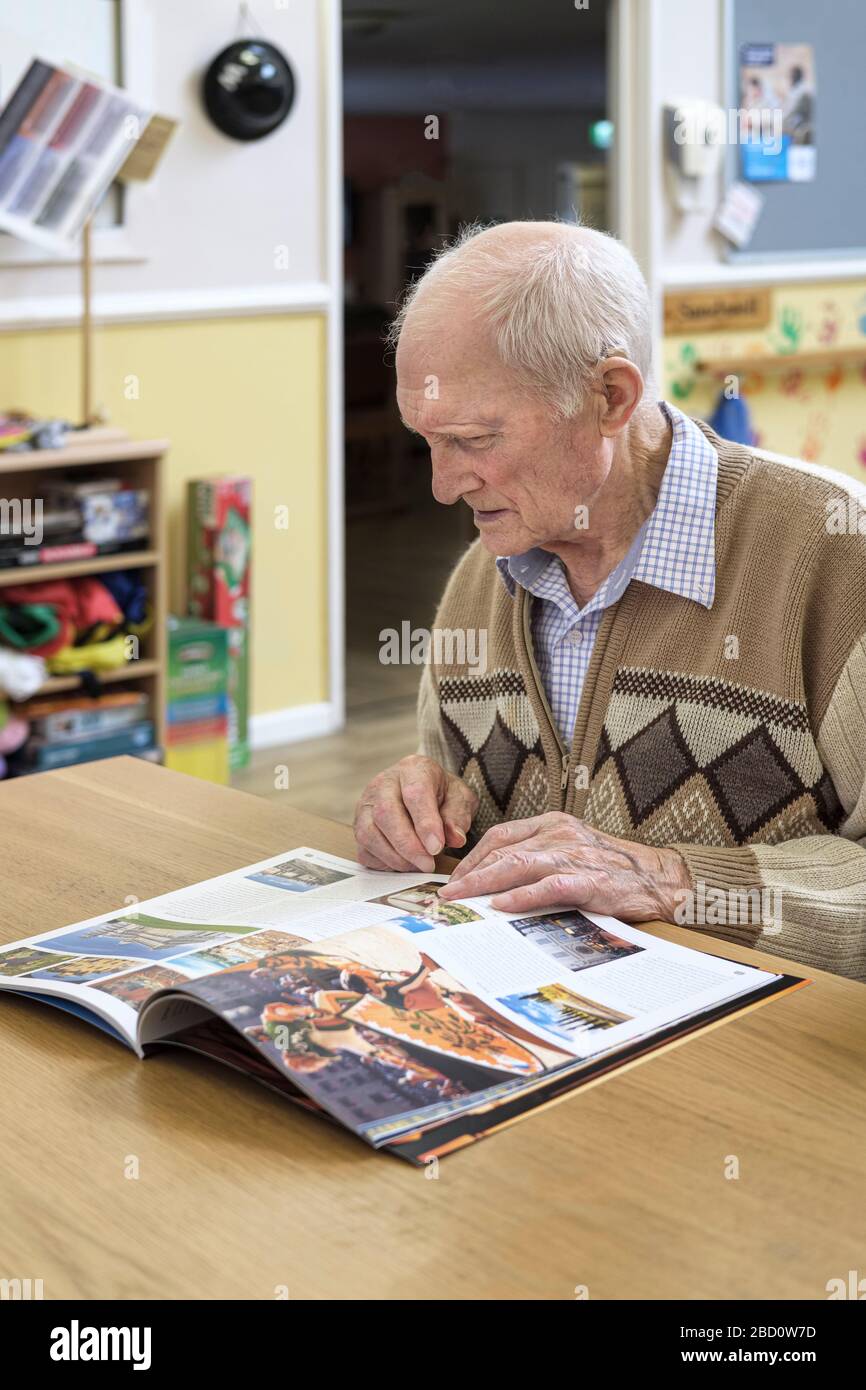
x=556, y=304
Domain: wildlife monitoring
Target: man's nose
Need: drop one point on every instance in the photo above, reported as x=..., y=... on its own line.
x=451, y=477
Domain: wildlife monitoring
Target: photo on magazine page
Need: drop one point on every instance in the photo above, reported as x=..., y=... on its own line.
x=373, y=1027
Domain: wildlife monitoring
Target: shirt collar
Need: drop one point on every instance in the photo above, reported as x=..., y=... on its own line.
x=525, y=569
x=675, y=548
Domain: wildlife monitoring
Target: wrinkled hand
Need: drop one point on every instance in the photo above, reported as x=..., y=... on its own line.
x=558, y=860
x=410, y=813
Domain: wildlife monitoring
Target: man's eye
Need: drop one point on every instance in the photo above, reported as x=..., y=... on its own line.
x=475, y=441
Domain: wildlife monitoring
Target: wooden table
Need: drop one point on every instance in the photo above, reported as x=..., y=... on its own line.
x=621, y=1188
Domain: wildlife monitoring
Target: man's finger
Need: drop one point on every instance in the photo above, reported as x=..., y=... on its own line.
x=458, y=808
x=500, y=837
x=371, y=840
x=420, y=793
x=505, y=869
x=558, y=890
x=383, y=820
x=393, y=820
x=369, y=861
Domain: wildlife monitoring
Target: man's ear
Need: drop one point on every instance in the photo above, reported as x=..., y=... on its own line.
x=620, y=390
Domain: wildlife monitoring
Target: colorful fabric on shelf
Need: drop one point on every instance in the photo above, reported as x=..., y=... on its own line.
x=94, y=656
x=83, y=608
x=21, y=674
x=32, y=626
x=129, y=591
x=13, y=733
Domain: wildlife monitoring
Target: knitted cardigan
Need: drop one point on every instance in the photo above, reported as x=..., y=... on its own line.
x=735, y=735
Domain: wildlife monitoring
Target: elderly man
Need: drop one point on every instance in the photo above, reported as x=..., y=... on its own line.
x=673, y=709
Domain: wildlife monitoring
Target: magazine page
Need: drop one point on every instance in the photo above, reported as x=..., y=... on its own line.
x=218, y=1040
x=371, y=1026
x=432, y=1008
x=387, y=1005
x=590, y=981
x=328, y=894
x=106, y=967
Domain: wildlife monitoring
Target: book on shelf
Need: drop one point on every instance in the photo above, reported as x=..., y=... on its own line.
x=65, y=718
x=21, y=555
x=42, y=754
x=420, y=1025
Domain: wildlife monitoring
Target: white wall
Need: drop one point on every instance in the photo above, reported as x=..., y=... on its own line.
x=689, y=64
x=217, y=208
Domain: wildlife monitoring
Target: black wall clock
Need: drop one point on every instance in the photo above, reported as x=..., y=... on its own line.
x=249, y=89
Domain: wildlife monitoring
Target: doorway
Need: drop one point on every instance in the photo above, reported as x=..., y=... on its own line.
x=453, y=113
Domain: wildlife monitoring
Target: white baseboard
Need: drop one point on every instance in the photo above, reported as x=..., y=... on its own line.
x=293, y=724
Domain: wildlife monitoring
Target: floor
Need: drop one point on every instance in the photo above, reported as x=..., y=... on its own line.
x=396, y=567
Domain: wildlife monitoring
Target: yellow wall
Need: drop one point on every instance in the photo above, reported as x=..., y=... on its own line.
x=814, y=413
x=243, y=395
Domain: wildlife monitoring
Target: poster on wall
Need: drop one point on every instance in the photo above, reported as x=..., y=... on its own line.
x=777, y=102
x=64, y=135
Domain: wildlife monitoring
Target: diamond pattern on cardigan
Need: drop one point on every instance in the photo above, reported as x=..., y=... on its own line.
x=472, y=704
x=527, y=796
x=742, y=763
x=679, y=759
x=493, y=736
x=500, y=760
x=653, y=764
x=752, y=782
x=691, y=815
x=494, y=741
x=501, y=756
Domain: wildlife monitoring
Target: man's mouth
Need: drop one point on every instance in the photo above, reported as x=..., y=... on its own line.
x=484, y=518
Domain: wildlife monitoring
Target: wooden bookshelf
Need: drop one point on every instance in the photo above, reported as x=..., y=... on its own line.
x=70, y=569
x=99, y=451
x=143, y=667
x=139, y=463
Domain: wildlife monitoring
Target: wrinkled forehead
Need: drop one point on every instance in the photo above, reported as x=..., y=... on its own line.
x=446, y=400
x=449, y=358
x=440, y=332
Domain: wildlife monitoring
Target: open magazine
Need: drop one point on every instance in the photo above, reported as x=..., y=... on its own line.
x=418, y=1024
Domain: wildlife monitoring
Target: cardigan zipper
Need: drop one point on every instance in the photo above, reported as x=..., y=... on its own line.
x=568, y=755
x=564, y=753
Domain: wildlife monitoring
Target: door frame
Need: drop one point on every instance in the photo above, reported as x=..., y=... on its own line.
x=636, y=166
